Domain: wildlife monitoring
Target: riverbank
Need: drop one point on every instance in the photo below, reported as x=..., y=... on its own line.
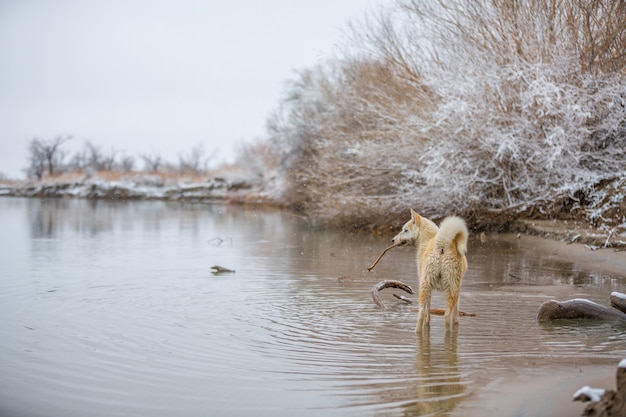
x=573, y=231
x=548, y=392
x=608, y=260
x=598, y=224
x=540, y=394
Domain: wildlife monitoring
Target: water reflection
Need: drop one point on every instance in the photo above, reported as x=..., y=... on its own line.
x=111, y=309
x=437, y=366
x=50, y=217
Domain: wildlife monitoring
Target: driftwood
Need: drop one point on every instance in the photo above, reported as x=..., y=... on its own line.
x=399, y=284
x=387, y=284
x=216, y=269
x=442, y=311
x=435, y=311
x=605, y=403
x=390, y=283
x=618, y=301
x=579, y=308
x=380, y=256
x=403, y=298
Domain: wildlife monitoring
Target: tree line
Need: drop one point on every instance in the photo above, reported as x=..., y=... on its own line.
x=49, y=157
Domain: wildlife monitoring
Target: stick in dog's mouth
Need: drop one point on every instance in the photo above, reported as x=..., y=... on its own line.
x=381, y=255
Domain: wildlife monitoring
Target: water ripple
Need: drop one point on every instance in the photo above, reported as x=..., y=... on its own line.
x=145, y=329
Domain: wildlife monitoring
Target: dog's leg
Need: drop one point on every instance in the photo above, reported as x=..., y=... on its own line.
x=423, y=315
x=452, y=310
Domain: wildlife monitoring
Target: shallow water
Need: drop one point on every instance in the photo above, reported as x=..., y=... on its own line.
x=111, y=309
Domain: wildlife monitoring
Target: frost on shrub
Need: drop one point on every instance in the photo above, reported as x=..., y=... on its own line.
x=606, y=204
x=459, y=106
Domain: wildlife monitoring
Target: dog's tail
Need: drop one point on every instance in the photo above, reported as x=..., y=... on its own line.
x=452, y=233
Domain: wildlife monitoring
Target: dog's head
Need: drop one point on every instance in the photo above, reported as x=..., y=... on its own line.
x=410, y=231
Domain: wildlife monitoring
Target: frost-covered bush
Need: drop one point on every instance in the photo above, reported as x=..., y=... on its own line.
x=459, y=106
x=339, y=135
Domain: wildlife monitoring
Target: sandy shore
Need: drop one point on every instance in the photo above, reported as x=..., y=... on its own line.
x=604, y=259
x=549, y=393
x=545, y=395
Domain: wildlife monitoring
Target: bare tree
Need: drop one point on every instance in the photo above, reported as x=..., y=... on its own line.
x=257, y=157
x=78, y=161
x=152, y=161
x=45, y=154
x=127, y=163
x=194, y=162
x=94, y=156
x=37, y=161
x=109, y=159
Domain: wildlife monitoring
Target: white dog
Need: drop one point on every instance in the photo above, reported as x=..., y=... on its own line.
x=441, y=261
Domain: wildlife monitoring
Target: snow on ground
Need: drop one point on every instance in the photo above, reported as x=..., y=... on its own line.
x=232, y=187
x=587, y=393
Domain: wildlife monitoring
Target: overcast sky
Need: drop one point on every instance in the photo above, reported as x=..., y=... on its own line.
x=154, y=76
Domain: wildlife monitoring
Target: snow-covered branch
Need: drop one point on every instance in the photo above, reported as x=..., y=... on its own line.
x=459, y=106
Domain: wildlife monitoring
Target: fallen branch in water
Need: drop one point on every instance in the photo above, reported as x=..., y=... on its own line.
x=442, y=311
x=216, y=269
x=380, y=256
x=390, y=283
x=403, y=298
x=387, y=284
x=217, y=241
x=435, y=311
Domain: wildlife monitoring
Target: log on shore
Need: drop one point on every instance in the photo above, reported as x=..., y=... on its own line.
x=606, y=403
x=578, y=308
x=618, y=301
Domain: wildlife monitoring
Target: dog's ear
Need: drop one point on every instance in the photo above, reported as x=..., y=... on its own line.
x=415, y=217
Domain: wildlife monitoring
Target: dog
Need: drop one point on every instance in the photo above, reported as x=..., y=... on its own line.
x=441, y=262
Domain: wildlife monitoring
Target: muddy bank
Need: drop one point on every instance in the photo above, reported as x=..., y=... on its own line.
x=573, y=231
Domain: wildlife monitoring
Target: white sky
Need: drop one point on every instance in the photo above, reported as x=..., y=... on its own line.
x=154, y=75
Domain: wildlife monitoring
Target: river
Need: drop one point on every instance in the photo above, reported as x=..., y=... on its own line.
x=112, y=309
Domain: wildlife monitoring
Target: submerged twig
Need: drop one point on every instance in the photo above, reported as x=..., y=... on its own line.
x=442, y=311
x=217, y=241
x=403, y=298
x=380, y=256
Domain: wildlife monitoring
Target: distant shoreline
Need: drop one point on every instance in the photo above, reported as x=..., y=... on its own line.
x=141, y=186
x=234, y=189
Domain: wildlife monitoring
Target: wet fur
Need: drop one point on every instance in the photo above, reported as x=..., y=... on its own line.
x=441, y=262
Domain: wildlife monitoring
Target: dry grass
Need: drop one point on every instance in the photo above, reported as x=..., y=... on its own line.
x=116, y=176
